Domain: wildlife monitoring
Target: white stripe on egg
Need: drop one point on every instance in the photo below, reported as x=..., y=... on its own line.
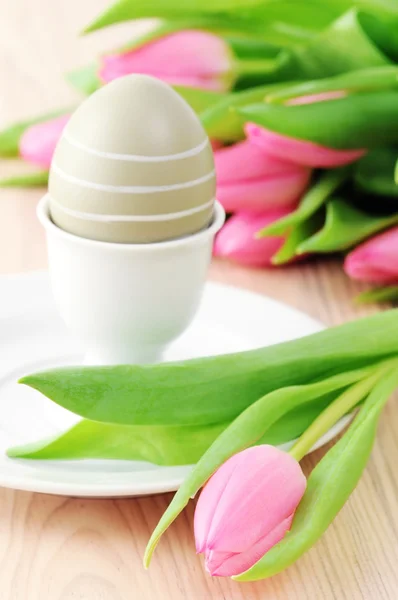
x=131, y=189
x=136, y=157
x=133, y=218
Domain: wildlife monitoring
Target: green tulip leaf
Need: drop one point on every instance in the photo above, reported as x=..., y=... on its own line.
x=329, y=486
x=173, y=445
x=286, y=20
x=357, y=121
x=344, y=227
x=384, y=294
x=10, y=137
x=168, y=445
x=214, y=389
x=374, y=173
x=356, y=40
x=363, y=80
x=292, y=17
x=249, y=427
x=39, y=179
x=310, y=203
x=296, y=237
x=200, y=100
x=222, y=120
x=127, y=10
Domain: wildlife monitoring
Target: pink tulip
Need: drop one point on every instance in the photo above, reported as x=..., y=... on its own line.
x=376, y=260
x=246, y=508
x=237, y=239
x=38, y=142
x=250, y=180
x=191, y=58
x=299, y=151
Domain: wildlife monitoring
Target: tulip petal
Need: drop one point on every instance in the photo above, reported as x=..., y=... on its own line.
x=262, y=490
x=300, y=151
x=376, y=260
x=228, y=564
x=250, y=180
x=266, y=193
x=237, y=240
x=38, y=143
x=191, y=58
x=246, y=160
x=204, y=512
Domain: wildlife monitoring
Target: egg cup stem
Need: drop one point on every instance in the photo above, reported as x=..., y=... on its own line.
x=127, y=302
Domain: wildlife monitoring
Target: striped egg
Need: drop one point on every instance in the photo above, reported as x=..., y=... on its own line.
x=133, y=165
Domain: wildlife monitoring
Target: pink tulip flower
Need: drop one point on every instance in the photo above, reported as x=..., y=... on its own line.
x=300, y=152
x=248, y=179
x=246, y=508
x=376, y=260
x=191, y=58
x=237, y=239
x=38, y=142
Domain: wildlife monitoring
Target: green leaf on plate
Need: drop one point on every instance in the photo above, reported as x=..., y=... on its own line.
x=169, y=445
x=357, y=121
x=374, y=172
x=218, y=388
x=383, y=294
x=172, y=445
x=10, y=137
x=39, y=179
x=311, y=202
x=344, y=227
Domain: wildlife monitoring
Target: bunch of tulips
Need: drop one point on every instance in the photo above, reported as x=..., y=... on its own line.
x=302, y=110
x=257, y=513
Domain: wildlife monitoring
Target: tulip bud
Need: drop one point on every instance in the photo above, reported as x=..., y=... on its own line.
x=376, y=260
x=237, y=240
x=300, y=152
x=246, y=508
x=189, y=58
x=248, y=179
x=38, y=142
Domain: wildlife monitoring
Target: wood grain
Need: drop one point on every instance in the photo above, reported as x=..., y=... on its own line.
x=56, y=548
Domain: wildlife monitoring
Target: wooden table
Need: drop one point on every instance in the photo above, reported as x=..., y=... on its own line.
x=54, y=548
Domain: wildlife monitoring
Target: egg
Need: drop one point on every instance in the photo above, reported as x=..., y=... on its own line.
x=133, y=165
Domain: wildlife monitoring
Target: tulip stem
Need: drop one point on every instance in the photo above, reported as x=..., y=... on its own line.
x=336, y=410
x=255, y=67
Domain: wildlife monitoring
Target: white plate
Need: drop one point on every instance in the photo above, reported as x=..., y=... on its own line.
x=32, y=337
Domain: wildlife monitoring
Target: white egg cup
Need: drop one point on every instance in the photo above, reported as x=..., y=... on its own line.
x=127, y=302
